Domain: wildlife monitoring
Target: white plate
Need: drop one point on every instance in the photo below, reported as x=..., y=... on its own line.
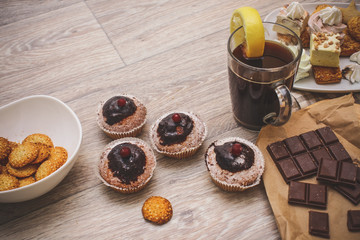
x=309, y=84
x=47, y=115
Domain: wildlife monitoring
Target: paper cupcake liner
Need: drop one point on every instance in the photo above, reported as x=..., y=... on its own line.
x=187, y=151
x=238, y=186
x=232, y=187
x=130, y=189
x=116, y=134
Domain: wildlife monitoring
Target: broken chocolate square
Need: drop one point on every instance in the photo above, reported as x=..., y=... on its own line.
x=353, y=220
x=337, y=172
x=319, y=224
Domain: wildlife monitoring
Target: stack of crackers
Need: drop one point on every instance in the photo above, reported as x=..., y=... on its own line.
x=29, y=161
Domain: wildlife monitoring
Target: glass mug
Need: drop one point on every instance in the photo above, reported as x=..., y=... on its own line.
x=260, y=88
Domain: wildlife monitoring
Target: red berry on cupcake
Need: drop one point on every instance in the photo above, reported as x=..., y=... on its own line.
x=121, y=102
x=236, y=149
x=176, y=118
x=125, y=152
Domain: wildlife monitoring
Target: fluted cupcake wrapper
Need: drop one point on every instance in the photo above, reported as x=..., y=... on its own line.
x=186, y=151
x=128, y=189
x=233, y=188
x=116, y=135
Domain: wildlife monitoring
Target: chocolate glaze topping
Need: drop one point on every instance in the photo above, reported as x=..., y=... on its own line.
x=228, y=161
x=115, y=113
x=129, y=168
x=171, y=132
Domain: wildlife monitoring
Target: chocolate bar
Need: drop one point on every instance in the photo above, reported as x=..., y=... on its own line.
x=339, y=152
x=298, y=157
x=307, y=194
x=319, y=154
x=353, y=220
x=278, y=150
x=349, y=192
x=326, y=135
x=294, y=145
x=311, y=140
x=319, y=224
x=337, y=172
x=298, y=167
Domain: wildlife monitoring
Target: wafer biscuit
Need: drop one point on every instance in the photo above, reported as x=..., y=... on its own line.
x=326, y=75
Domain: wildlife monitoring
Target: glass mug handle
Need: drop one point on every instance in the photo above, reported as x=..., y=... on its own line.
x=285, y=103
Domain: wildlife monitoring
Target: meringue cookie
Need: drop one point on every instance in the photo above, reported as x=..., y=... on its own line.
x=295, y=10
x=304, y=66
x=355, y=57
x=331, y=16
x=352, y=73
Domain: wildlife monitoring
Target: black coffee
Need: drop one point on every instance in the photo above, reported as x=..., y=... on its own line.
x=252, y=101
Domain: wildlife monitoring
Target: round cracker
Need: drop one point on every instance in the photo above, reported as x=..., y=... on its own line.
x=44, y=153
x=23, y=154
x=157, y=209
x=39, y=138
x=22, y=172
x=8, y=182
x=26, y=181
x=58, y=157
x=5, y=149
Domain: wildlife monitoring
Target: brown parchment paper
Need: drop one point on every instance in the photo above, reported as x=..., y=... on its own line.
x=343, y=116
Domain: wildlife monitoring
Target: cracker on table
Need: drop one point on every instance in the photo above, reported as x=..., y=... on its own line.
x=157, y=209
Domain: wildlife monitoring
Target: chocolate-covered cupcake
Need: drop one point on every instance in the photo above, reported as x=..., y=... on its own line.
x=121, y=116
x=235, y=164
x=127, y=165
x=178, y=134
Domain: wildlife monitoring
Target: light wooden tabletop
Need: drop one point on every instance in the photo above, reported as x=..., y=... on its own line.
x=172, y=55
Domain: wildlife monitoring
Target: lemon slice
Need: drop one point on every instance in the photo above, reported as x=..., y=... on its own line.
x=252, y=33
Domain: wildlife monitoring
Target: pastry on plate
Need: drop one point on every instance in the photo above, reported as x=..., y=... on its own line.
x=326, y=75
x=325, y=49
x=292, y=16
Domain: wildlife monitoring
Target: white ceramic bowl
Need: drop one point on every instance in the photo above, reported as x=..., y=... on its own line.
x=47, y=115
